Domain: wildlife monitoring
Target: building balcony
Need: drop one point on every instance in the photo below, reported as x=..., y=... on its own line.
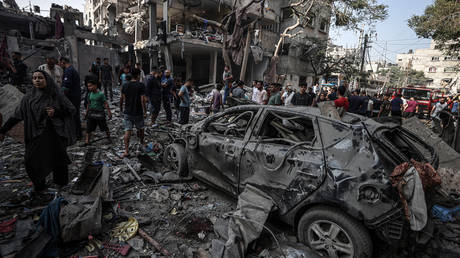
x=268, y=40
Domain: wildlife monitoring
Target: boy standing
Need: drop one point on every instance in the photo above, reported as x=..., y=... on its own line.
x=95, y=113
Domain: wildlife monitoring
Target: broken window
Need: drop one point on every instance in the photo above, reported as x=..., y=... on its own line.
x=287, y=129
x=311, y=20
x=324, y=25
x=287, y=13
x=231, y=124
x=406, y=145
x=285, y=49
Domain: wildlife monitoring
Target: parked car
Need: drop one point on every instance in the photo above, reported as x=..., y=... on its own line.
x=329, y=178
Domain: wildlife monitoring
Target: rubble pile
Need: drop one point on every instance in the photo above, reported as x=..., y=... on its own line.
x=141, y=206
x=146, y=209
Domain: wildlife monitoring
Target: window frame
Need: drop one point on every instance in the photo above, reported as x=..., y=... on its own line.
x=226, y=113
x=255, y=135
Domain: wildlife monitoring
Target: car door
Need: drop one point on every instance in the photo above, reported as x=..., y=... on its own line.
x=220, y=144
x=284, y=157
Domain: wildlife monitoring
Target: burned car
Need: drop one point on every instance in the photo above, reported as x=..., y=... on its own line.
x=328, y=178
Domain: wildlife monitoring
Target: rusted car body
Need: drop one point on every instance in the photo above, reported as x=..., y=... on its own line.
x=302, y=159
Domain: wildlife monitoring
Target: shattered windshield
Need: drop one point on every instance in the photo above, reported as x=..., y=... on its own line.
x=287, y=128
x=232, y=124
x=416, y=94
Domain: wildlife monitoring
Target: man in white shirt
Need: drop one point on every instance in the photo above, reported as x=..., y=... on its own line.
x=259, y=95
x=287, y=95
x=435, y=112
x=55, y=71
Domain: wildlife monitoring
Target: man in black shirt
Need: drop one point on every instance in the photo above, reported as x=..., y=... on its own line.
x=302, y=98
x=133, y=92
x=107, y=78
x=356, y=102
x=312, y=95
x=385, y=107
x=376, y=106
x=95, y=68
x=71, y=88
x=18, y=69
x=153, y=93
x=333, y=95
x=364, y=105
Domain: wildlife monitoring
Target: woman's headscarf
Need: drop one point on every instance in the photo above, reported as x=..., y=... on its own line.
x=33, y=111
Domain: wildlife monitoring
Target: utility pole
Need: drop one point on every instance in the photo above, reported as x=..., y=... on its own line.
x=363, y=58
x=153, y=31
x=385, y=53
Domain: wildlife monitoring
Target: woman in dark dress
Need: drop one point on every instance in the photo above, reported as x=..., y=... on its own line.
x=48, y=130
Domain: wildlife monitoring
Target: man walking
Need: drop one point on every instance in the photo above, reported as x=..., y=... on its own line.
x=53, y=70
x=435, y=115
x=107, y=78
x=142, y=76
x=133, y=100
x=167, y=83
x=153, y=94
x=184, y=95
x=227, y=77
x=71, y=88
x=95, y=68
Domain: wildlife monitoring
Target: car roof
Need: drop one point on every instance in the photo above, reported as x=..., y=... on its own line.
x=348, y=118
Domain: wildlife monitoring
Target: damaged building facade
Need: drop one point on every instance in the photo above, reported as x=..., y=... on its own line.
x=61, y=34
x=182, y=36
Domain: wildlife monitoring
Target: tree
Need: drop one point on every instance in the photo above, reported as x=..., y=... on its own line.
x=348, y=14
x=236, y=26
x=398, y=77
x=440, y=22
x=324, y=64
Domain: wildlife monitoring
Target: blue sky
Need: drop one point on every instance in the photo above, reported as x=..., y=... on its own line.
x=393, y=31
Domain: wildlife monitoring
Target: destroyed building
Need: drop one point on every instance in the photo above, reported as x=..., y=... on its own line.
x=193, y=47
x=60, y=34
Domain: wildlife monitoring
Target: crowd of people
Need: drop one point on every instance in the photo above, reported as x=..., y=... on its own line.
x=51, y=109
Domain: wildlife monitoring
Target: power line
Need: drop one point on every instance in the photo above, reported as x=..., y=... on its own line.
x=382, y=55
x=390, y=40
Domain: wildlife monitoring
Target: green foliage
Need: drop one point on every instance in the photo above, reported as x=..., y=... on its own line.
x=323, y=64
x=344, y=13
x=397, y=77
x=441, y=22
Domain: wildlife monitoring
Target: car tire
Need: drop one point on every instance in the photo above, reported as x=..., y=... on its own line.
x=330, y=231
x=175, y=157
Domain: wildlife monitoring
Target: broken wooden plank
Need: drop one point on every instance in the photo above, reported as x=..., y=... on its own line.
x=152, y=241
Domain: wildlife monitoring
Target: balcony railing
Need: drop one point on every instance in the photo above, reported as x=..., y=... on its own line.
x=268, y=40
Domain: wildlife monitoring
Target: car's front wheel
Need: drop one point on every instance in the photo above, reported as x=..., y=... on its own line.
x=334, y=234
x=175, y=157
